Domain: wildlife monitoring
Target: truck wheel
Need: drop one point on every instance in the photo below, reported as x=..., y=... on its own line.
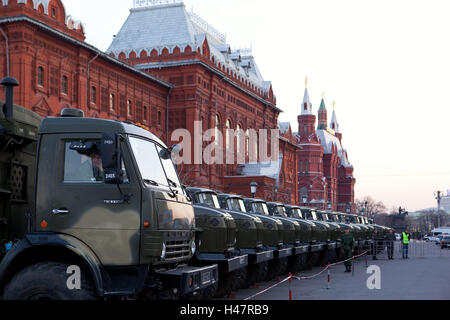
x=241, y=281
x=323, y=259
x=295, y=263
x=226, y=281
x=313, y=260
x=47, y=281
x=256, y=273
x=331, y=255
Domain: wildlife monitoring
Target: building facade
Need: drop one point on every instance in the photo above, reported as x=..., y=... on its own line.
x=325, y=176
x=179, y=73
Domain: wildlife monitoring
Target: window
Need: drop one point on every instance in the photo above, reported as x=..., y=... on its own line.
x=148, y=161
x=239, y=138
x=53, y=12
x=111, y=101
x=217, y=133
x=145, y=114
x=93, y=95
x=40, y=76
x=227, y=134
x=129, y=107
x=84, y=168
x=64, y=85
x=159, y=118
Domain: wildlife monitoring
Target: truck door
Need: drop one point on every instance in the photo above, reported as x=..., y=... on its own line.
x=73, y=199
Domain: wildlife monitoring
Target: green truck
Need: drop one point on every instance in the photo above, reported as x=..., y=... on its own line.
x=275, y=233
x=91, y=209
x=249, y=238
x=216, y=242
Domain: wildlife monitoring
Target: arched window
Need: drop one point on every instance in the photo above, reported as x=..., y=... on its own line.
x=145, y=114
x=217, y=130
x=64, y=85
x=239, y=138
x=40, y=76
x=112, y=102
x=247, y=143
x=129, y=108
x=93, y=95
x=227, y=134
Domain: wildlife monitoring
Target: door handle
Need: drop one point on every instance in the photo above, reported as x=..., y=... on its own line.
x=60, y=212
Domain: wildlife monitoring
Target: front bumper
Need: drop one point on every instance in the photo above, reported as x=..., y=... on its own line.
x=228, y=264
x=258, y=257
x=316, y=247
x=283, y=253
x=189, y=279
x=301, y=249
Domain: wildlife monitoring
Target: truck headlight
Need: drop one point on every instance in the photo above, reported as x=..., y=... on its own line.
x=193, y=247
x=163, y=252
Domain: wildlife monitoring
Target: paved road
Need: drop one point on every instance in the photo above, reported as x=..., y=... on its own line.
x=418, y=278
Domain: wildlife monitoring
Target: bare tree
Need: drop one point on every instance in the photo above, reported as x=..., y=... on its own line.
x=370, y=206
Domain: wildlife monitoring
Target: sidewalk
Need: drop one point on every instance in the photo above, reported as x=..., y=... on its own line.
x=418, y=278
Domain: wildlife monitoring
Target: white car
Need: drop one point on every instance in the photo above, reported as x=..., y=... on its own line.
x=398, y=237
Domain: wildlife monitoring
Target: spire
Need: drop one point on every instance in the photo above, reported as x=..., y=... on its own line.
x=323, y=115
x=334, y=123
x=306, y=105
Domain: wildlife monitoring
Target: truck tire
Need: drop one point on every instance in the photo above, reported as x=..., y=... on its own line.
x=241, y=279
x=47, y=281
x=331, y=255
x=313, y=259
x=297, y=263
x=256, y=273
x=277, y=267
x=226, y=282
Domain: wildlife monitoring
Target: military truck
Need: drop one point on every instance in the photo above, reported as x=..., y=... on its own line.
x=275, y=234
x=336, y=230
x=91, y=209
x=249, y=239
x=216, y=241
x=330, y=243
x=301, y=244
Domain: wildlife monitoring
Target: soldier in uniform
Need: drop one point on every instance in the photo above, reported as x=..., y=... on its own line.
x=374, y=245
x=348, y=244
x=390, y=238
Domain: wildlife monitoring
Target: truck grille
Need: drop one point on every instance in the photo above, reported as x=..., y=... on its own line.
x=231, y=234
x=177, y=250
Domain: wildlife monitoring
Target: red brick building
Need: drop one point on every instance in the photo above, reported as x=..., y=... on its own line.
x=57, y=69
x=169, y=69
x=325, y=175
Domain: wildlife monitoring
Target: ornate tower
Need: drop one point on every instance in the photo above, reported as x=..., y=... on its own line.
x=323, y=116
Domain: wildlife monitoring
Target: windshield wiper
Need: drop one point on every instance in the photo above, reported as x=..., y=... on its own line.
x=153, y=183
x=172, y=183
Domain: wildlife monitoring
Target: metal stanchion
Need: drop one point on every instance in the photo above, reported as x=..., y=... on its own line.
x=290, y=286
x=329, y=277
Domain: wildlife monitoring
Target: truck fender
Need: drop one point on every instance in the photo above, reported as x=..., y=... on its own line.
x=70, y=243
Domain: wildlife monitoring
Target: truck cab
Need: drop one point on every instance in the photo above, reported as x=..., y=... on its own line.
x=103, y=196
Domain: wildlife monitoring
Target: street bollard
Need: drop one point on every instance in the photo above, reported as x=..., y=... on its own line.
x=290, y=286
x=329, y=277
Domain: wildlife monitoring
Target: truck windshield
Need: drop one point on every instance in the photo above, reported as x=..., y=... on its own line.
x=325, y=217
x=210, y=199
x=296, y=213
x=236, y=204
x=314, y=215
x=260, y=207
x=154, y=170
x=280, y=211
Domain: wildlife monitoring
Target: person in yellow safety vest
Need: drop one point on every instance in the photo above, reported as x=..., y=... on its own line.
x=405, y=241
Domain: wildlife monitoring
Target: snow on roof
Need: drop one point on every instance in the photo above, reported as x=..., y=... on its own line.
x=284, y=127
x=328, y=140
x=167, y=24
x=269, y=169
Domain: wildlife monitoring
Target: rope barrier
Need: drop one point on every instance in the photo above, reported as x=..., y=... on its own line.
x=290, y=277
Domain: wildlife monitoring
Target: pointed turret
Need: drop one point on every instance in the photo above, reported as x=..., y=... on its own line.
x=334, y=123
x=306, y=105
x=323, y=116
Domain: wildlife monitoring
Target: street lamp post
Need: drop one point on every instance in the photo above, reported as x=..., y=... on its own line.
x=438, y=195
x=253, y=188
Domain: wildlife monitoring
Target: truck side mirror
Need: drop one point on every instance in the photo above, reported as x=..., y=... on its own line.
x=111, y=158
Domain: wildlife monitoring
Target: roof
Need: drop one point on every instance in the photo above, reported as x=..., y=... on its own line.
x=307, y=101
x=79, y=43
x=329, y=140
x=53, y=125
x=269, y=169
x=284, y=127
x=169, y=25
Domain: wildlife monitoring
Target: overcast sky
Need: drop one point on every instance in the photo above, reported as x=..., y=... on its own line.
x=385, y=63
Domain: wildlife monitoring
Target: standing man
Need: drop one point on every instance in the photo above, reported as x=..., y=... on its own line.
x=348, y=244
x=390, y=237
x=405, y=241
